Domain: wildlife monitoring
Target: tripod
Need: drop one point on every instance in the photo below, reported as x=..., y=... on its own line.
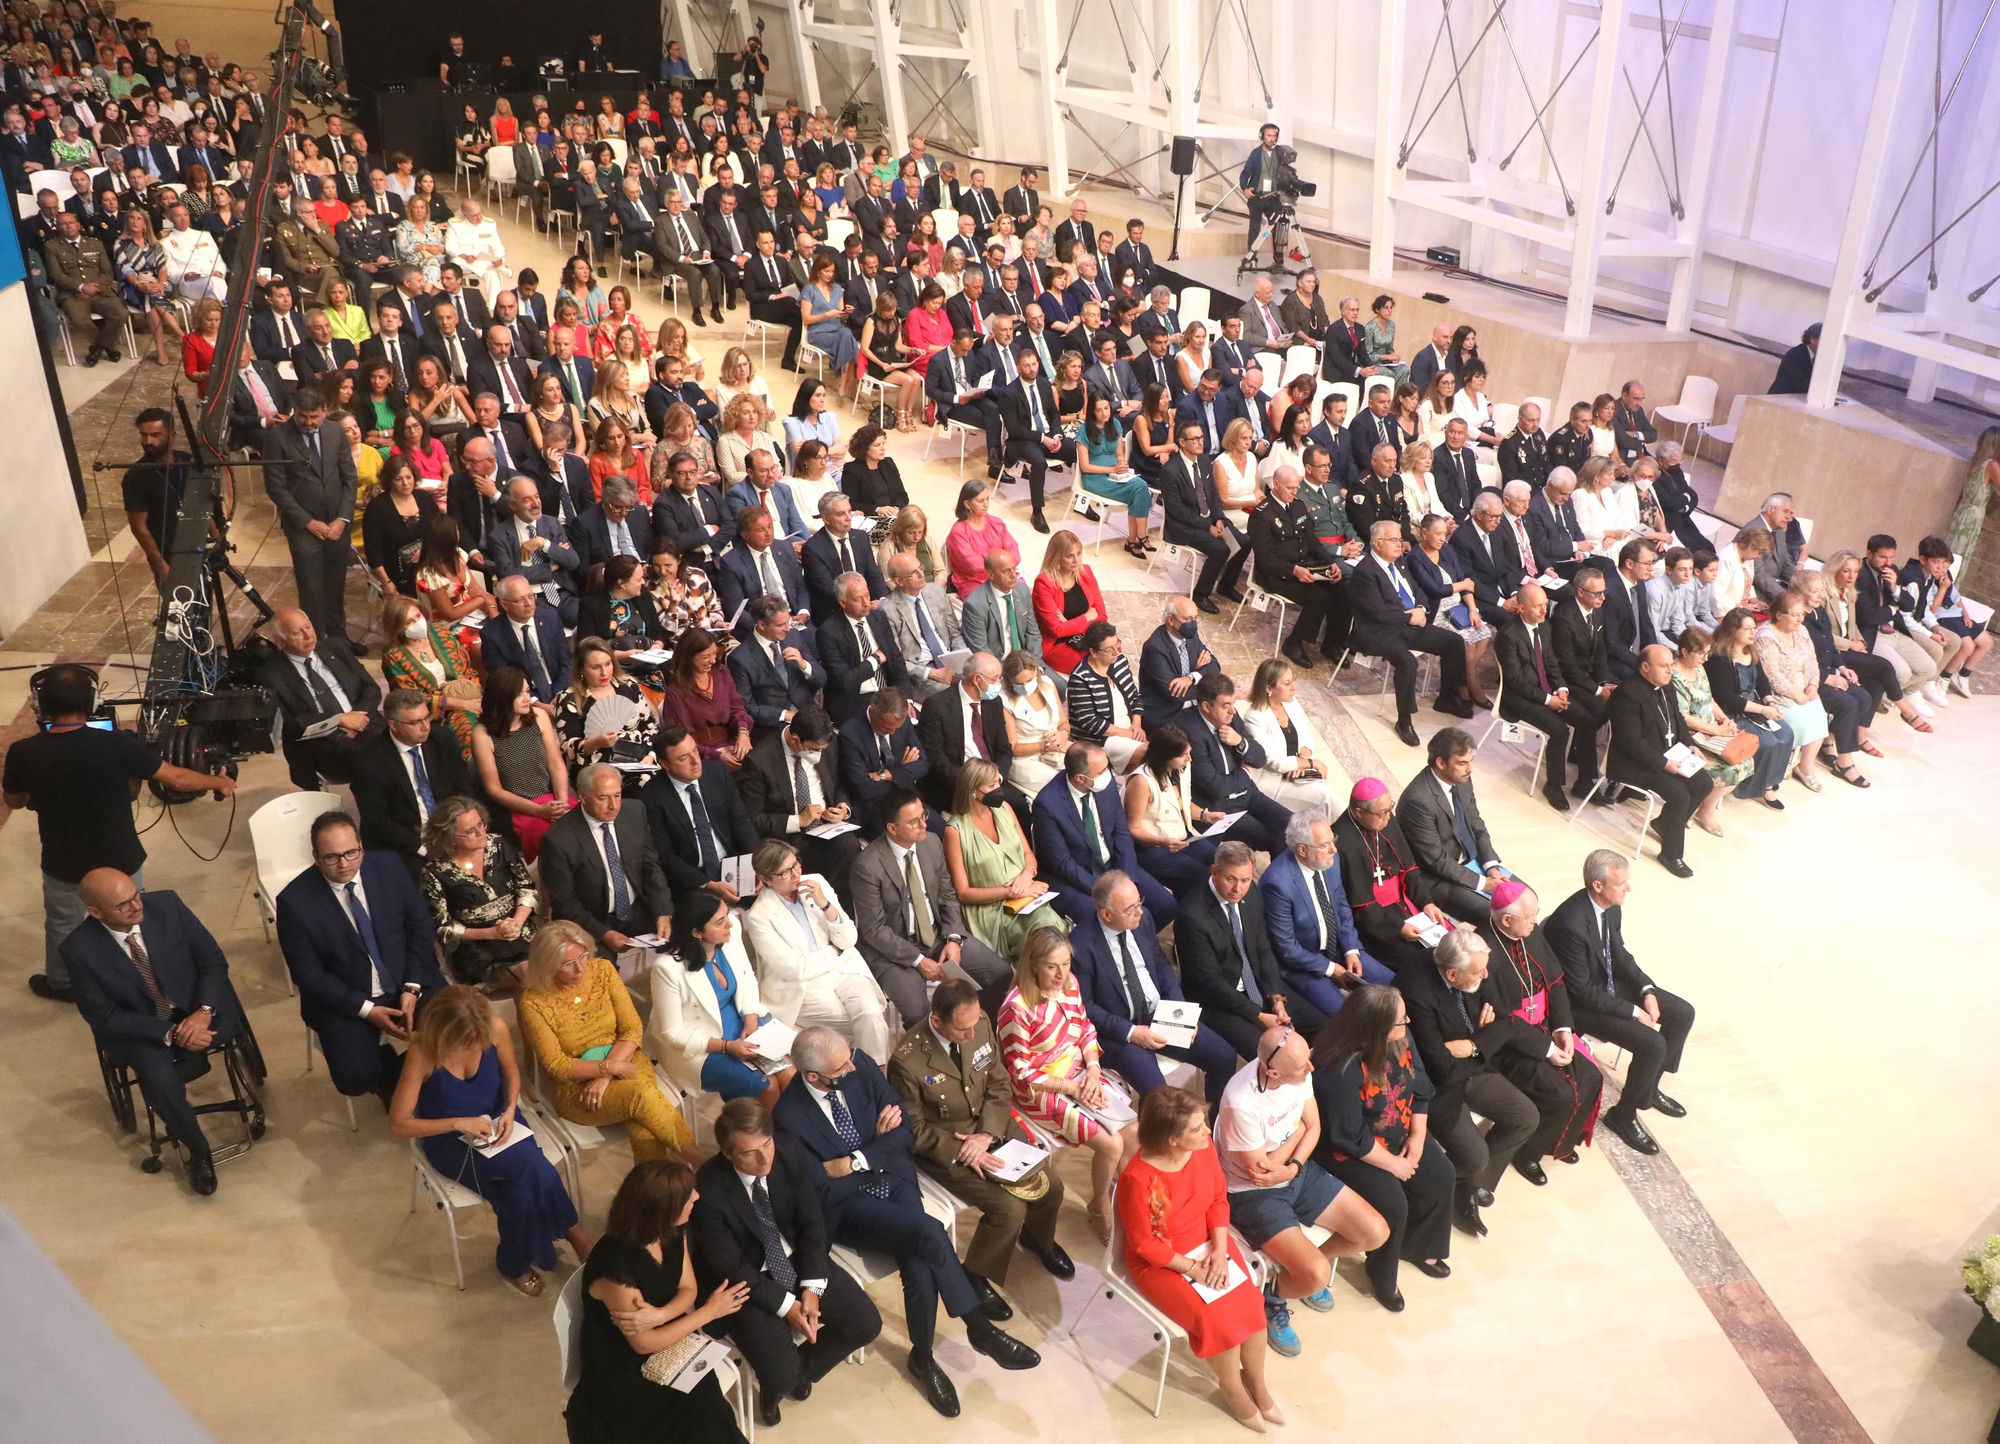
x=1278, y=227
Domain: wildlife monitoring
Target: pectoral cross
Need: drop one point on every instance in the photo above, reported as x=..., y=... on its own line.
x=1380, y=876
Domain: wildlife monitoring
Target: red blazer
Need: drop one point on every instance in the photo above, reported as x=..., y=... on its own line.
x=1061, y=636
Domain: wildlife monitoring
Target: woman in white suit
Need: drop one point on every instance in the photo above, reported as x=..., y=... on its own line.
x=1292, y=744
x=808, y=969
x=706, y=1006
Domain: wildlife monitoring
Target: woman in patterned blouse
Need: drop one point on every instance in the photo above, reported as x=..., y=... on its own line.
x=480, y=894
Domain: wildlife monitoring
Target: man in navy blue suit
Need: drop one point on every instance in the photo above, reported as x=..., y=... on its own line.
x=527, y=634
x=777, y=668
x=154, y=987
x=1123, y=976
x=1080, y=830
x=753, y=567
x=1173, y=660
x=833, y=551
x=1311, y=925
x=357, y=940
x=1248, y=400
x=759, y=487
x=1628, y=616
x=1219, y=767
x=842, y=1111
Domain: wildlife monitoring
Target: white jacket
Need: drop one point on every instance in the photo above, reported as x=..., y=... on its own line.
x=791, y=962
x=687, y=1013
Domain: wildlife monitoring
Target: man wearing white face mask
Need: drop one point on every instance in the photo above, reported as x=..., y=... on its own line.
x=1081, y=832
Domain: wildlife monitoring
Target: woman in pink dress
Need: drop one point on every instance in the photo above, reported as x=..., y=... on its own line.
x=976, y=533
x=1050, y=1049
x=1173, y=1203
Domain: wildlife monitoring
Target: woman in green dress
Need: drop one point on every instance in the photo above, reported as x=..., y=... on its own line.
x=1982, y=480
x=1706, y=721
x=992, y=864
x=1379, y=335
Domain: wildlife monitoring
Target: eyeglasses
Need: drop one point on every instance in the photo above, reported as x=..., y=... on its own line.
x=353, y=854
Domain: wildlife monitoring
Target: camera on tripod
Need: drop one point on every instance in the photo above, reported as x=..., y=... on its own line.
x=1286, y=183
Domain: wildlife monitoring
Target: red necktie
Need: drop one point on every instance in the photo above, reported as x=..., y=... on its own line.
x=1540, y=670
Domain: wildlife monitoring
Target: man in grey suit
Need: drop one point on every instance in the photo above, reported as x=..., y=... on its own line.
x=310, y=476
x=1440, y=816
x=924, y=624
x=912, y=931
x=529, y=544
x=599, y=867
x=1776, y=568
x=999, y=616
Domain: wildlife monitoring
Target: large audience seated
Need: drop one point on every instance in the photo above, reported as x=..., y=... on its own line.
x=888, y=791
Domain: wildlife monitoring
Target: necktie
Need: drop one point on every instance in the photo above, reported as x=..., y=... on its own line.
x=801, y=788
x=161, y=1007
x=1460, y=829
x=976, y=732
x=735, y=245
x=533, y=653
x=1329, y=933
x=1541, y=668
x=886, y=751
x=506, y=370
x=286, y=332
x=500, y=449
x=688, y=248
x=932, y=642
x=1013, y=627
x=1092, y=838
x=771, y=271
x=322, y=694
x=704, y=835
x=312, y=440
x=920, y=903
x=1464, y=1014
x=958, y=1060
x=958, y=375
x=416, y=322
x=621, y=889
x=1402, y=588
x=423, y=780
x=846, y=557
x=1521, y=544
x=1250, y=989
x=456, y=354
x=1135, y=991
x=365, y=925
x=1610, y=976
x=768, y=572
x=575, y=387
x=326, y=362
x=775, y=1263
x=850, y=1138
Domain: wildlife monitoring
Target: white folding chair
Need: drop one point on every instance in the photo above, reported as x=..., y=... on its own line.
x=618, y=150
x=1506, y=416
x=1171, y=554
x=1081, y=502
x=1118, y=1285
x=1374, y=384
x=1725, y=433
x=1194, y=305
x=1273, y=364
x=572, y=1140
x=1513, y=734
x=1299, y=361
x=453, y=1198
x=809, y=352
x=944, y=429
x=281, y=839
x=500, y=171
x=1655, y=805
x=1259, y=600
x=734, y=1378
x=837, y=232
x=1696, y=408
x=1549, y=423
x=313, y=1042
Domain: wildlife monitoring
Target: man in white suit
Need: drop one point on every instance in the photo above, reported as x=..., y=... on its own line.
x=808, y=968
x=924, y=623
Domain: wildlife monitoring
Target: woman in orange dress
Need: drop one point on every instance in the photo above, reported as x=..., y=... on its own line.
x=1050, y=1048
x=1172, y=1203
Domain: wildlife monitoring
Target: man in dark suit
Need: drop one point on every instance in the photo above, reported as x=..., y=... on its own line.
x=527, y=542
x=1462, y=1041
x=527, y=635
x=1220, y=766
x=392, y=341
x=154, y=987
x=834, y=551
x=1134, y=255
x=1346, y=347
x=1306, y=892
x=1173, y=659
x=752, y=567
x=965, y=720
x=321, y=351
x=1631, y=429
x=1372, y=428
x=731, y=243
x=467, y=302
x=1390, y=623
x=312, y=484
x=858, y=651
x=773, y=293
x=1439, y=814
x=790, y=782
x=255, y=409
x=1487, y=551
x=1628, y=616
x=1247, y=400
x=357, y=939
x=454, y=343
x=1576, y=627
x=1122, y=977
x=1227, y=964
x=1034, y=430
x=879, y=754
x=402, y=773
x=962, y=392
x=776, y=669
x=1534, y=689
x=1194, y=511
x=1646, y=724
x=150, y=155
x=600, y=868
x=842, y=1112
x=616, y=526
x=1080, y=831
x=1611, y=997
x=315, y=683
x=691, y=512
x=495, y=369
x=528, y=338
x=1524, y=454
x=1023, y=201
x=567, y=365
x=698, y=820
x=758, y=1225
x=1455, y=471
x=475, y=494
x=414, y=302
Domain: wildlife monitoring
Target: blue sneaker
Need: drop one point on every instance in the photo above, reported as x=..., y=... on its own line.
x=1321, y=1302
x=1278, y=1323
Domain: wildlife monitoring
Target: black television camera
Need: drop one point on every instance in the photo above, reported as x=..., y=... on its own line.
x=1286, y=182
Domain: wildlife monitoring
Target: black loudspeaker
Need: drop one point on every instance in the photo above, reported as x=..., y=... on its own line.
x=1183, y=162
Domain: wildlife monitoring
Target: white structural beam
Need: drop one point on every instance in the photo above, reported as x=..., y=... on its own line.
x=1587, y=251
x=1048, y=35
x=888, y=65
x=1845, y=305
x=1388, y=105
x=802, y=56
x=1693, y=224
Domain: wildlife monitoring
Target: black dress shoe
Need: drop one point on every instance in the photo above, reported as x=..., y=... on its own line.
x=1090, y=513
x=201, y=1175
x=1204, y=604
x=715, y=314
x=1677, y=867
x=92, y=356
x=1039, y=522
x=1668, y=1106
x=1582, y=788
x=1532, y=1171
x=1452, y=706
x=1554, y=797
x=1467, y=1220
x=1438, y=1270
x=767, y=1411
x=1297, y=656
x=803, y=1390
x=1392, y=1301
x=990, y=1303
x=1057, y=1262
x=999, y=1345
x=1406, y=734
x=699, y=320
x=40, y=985
x=1572, y=1157
x=1628, y=1128
x=1482, y=1198
x=993, y=471
x=934, y=1384
x=1229, y=593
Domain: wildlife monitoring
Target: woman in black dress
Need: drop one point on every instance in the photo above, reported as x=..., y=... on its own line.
x=870, y=477
x=638, y=1298
x=392, y=527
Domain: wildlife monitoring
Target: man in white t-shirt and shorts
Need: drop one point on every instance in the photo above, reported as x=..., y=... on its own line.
x=1266, y=1130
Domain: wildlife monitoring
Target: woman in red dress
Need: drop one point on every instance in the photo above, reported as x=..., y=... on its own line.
x=1172, y=1202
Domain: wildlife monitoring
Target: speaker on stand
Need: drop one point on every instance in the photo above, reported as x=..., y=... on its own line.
x=1182, y=165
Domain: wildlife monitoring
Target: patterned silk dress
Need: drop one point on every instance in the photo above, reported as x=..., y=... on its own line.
x=1049, y=1041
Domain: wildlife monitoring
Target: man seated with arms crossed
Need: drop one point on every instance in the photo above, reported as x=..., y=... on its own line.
x=1265, y=1130
x=1226, y=958
x=841, y=1111
x=154, y=988
x=956, y=1093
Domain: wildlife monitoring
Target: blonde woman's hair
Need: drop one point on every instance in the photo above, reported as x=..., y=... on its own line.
x=545, y=954
x=1417, y=451
x=1239, y=429
x=456, y=1018
x=1064, y=553
x=1832, y=567
x=733, y=357
x=975, y=779
x=609, y=371
x=396, y=615
x=743, y=404
x=1042, y=945
x=1589, y=473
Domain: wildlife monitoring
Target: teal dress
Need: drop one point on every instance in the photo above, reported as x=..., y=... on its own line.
x=720, y=1073
x=1132, y=493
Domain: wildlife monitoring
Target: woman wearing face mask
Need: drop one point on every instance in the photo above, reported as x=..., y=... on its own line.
x=1037, y=730
x=1103, y=699
x=430, y=659
x=1165, y=822
x=993, y=864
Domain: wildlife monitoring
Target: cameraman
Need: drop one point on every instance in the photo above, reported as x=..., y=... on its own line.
x=1262, y=175
x=75, y=778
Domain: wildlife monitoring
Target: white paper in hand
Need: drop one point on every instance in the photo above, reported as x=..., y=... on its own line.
x=1176, y=1022
x=521, y=1131
x=1017, y=1160
x=700, y=1366
x=1682, y=759
x=774, y=1039
x=1228, y=820
x=1237, y=1278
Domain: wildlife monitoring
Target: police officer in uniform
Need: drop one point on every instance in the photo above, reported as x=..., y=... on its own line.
x=1285, y=545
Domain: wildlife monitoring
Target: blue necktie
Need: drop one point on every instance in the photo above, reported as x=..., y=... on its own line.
x=1250, y=989
x=704, y=839
x=1460, y=829
x=776, y=1264
x=930, y=636
x=364, y=925
x=423, y=780
x=1402, y=589
x=621, y=889
x=850, y=1139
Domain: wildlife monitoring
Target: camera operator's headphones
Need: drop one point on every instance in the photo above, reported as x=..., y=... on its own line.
x=41, y=678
